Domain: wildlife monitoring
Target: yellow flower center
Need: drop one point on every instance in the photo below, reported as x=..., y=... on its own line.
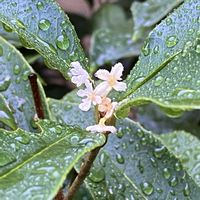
x=112, y=81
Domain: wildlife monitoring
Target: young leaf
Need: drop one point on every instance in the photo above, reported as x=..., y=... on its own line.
x=6, y=115
x=186, y=147
x=43, y=26
x=36, y=165
x=111, y=39
x=147, y=14
x=15, y=86
x=167, y=72
x=133, y=164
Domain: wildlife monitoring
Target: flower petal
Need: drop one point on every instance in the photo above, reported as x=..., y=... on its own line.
x=102, y=74
x=101, y=128
x=102, y=89
x=85, y=105
x=97, y=100
x=117, y=70
x=120, y=86
x=82, y=93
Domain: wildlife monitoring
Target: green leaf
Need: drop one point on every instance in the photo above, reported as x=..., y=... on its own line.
x=110, y=40
x=15, y=86
x=9, y=35
x=147, y=14
x=6, y=116
x=167, y=72
x=134, y=164
x=152, y=118
x=35, y=165
x=43, y=26
x=186, y=147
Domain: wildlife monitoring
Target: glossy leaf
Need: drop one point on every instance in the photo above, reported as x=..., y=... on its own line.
x=112, y=37
x=15, y=86
x=9, y=35
x=43, y=26
x=147, y=14
x=186, y=147
x=171, y=50
x=36, y=165
x=6, y=115
x=154, y=119
x=134, y=164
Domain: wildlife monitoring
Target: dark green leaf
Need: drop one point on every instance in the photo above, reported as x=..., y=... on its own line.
x=15, y=86
x=134, y=164
x=147, y=14
x=186, y=147
x=35, y=165
x=43, y=26
x=167, y=72
x=112, y=38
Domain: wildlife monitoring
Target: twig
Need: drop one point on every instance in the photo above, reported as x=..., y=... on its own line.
x=85, y=168
x=36, y=95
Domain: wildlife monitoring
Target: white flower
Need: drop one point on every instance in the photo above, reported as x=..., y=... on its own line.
x=101, y=127
x=111, y=79
x=78, y=75
x=107, y=107
x=92, y=97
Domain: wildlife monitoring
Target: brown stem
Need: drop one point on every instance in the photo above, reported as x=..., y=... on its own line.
x=59, y=196
x=85, y=168
x=36, y=95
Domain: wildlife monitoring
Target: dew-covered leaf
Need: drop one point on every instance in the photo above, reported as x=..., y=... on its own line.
x=134, y=164
x=6, y=115
x=187, y=148
x=167, y=72
x=112, y=36
x=154, y=119
x=43, y=26
x=9, y=35
x=15, y=86
x=147, y=14
x=35, y=165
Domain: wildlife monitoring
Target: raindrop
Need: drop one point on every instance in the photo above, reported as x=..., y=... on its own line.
x=22, y=137
x=40, y=5
x=168, y=21
x=140, y=167
x=17, y=69
x=74, y=140
x=166, y=173
x=62, y=42
x=158, y=152
x=44, y=24
x=198, y=48
x=171, y=41
x=156, y=49
x=147, y=188
x=186, y=190
x=7, y=28
x=173, y=182
x=4, y=84
x=97, y=175
x=119, y=158
x=146, y=48
x=6, y=158
x=158, y=81
x=178, y=166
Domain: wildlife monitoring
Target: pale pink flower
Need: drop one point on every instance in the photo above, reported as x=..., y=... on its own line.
x=111, y=79
x=78, y=75
x=101, y=127
x=107, y=107
x=92, y=97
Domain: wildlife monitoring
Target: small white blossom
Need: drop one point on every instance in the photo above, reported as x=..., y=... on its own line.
x=92, y=97
x=101, y=127
x=78, y=75
x=111, y=79
x=107, y=107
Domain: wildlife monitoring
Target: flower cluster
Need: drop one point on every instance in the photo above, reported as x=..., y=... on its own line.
x=97, y=96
